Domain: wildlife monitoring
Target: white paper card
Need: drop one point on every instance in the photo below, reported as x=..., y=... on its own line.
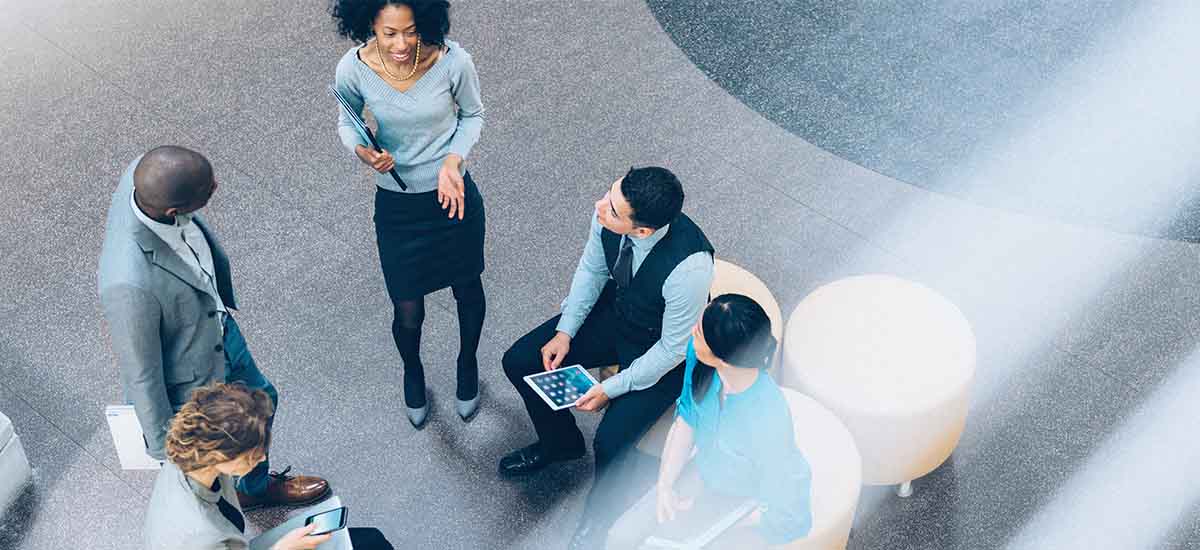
x=127, y=438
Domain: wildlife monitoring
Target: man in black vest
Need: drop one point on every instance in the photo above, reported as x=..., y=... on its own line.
x=641, y=284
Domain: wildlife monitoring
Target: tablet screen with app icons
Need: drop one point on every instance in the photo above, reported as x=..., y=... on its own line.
x=561, y=388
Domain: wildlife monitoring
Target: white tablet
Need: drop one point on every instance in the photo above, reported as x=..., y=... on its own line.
x=561, y=388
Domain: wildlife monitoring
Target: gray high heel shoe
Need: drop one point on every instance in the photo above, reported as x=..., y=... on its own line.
x=418, y=416
x=467, y=409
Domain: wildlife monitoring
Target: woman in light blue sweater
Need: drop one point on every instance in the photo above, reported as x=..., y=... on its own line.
x=424, y=94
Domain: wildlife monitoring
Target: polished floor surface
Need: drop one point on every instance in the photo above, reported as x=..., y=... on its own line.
x=1013, y=104
x=1081, y=432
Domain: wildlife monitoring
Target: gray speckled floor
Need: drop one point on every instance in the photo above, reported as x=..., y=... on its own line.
x=1039, y=106
x=1087, y=338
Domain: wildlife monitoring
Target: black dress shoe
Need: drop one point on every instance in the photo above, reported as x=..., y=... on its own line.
x=588, y=536
x=530, y=459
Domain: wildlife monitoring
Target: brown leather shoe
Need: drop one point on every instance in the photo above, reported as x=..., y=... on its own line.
x=286, y=490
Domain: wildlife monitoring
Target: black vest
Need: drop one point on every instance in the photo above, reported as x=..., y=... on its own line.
x=641, y=306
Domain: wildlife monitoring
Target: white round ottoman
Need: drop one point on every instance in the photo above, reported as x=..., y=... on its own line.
x=14, y=467
x=730, y=278
x=836, y=472
x=894, y=360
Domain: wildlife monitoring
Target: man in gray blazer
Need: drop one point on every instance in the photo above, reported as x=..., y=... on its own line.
x=167, y=295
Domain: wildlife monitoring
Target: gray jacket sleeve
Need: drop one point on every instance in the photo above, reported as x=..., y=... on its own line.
x=134, y=316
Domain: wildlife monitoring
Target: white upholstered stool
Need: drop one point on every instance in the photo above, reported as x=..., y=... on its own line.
x=836, y=472
x=894, y=360
x=14, y=467
x=727, y=279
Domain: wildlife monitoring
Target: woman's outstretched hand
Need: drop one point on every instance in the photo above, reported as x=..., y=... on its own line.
x=450, y=186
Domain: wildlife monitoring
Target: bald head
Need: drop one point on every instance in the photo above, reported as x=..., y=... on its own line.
x=173, y=180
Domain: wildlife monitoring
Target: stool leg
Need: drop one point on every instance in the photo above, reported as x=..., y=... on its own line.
x=904, y=490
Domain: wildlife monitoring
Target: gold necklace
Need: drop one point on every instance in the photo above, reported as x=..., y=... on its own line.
x=416, y=62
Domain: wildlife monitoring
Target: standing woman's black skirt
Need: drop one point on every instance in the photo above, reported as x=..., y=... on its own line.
x=420, y=249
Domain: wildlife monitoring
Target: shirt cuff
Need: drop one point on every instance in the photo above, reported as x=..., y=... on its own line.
x=616, y=385
x=568, y=326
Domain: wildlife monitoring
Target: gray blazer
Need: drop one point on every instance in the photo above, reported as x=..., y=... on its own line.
x=165, y=330
x=183, y=515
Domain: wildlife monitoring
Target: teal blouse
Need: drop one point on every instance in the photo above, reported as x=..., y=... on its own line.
x=746, y=447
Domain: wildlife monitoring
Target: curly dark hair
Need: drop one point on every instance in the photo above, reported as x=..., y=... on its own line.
x=654, y=194
x=355, y=18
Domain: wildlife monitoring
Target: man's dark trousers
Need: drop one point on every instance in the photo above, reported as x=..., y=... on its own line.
x=627, y=418
x=240, y=367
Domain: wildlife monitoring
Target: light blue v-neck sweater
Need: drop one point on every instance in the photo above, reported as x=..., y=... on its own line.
x=440, y=114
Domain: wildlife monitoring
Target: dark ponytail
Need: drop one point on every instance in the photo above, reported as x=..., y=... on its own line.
x=738, y=331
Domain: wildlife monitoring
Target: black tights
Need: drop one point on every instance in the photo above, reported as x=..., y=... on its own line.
x=406, y=330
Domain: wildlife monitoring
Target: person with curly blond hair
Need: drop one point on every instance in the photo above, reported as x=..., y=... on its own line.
x=222, y=432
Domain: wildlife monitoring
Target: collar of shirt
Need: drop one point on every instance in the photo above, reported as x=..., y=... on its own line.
x=207, y=494
x=748, y=394
x=646, y=243
x=643, y=245
x=170, y=234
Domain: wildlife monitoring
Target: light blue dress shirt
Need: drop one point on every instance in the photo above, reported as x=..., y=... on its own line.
x=746, y=447
x=685, y=292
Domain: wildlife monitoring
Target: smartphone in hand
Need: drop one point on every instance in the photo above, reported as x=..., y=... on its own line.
x=328, y=521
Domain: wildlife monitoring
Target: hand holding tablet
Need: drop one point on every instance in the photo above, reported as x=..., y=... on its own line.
x=593, y=401
x=561, y=388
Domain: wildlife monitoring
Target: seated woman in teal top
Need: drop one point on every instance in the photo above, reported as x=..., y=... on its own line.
x=739, y=424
